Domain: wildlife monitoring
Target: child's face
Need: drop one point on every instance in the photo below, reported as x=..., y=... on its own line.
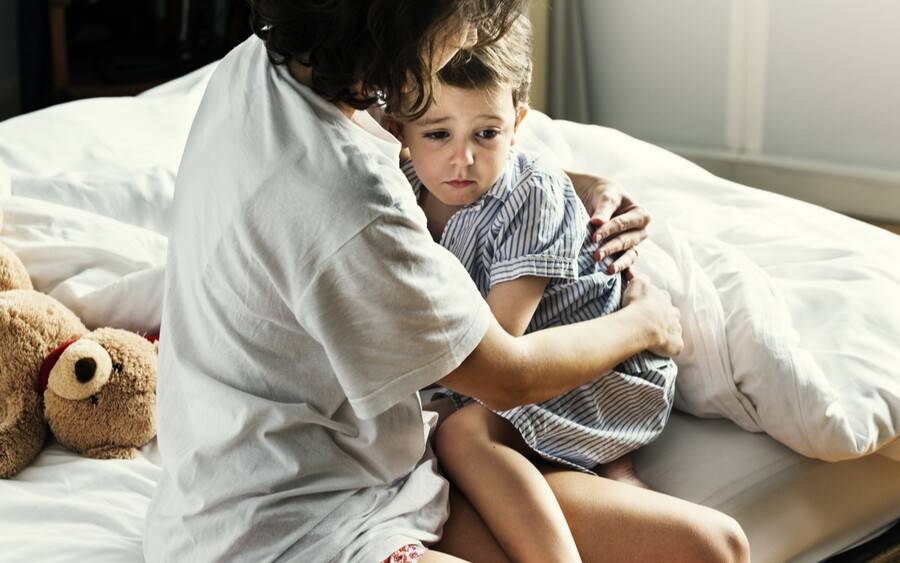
x=459, y=147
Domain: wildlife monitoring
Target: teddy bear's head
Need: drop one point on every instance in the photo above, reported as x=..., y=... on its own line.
x=95, y=390
x=100, y=393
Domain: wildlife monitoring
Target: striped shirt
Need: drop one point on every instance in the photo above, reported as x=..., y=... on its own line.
x=532, y=223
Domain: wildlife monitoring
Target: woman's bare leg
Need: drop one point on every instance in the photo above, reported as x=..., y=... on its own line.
x=612, y=521
x=437, y=557
x=482, y=454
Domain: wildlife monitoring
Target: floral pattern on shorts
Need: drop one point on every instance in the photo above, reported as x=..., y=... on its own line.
x=406, y=554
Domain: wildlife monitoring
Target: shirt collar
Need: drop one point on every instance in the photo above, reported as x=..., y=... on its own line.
x=503, y=186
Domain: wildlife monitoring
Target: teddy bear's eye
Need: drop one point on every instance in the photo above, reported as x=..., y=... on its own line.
x=117, y=367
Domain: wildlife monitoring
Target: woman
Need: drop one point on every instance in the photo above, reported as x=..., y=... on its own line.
x=306, y=303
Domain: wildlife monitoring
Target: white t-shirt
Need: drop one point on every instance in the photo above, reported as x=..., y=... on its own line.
x=305, y=305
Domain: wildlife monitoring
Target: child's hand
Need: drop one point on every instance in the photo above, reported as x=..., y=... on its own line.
x=620, y=222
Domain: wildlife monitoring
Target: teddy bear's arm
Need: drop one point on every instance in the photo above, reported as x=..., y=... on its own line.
x=111, y=452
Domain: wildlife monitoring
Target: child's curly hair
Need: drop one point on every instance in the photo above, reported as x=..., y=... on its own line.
x=504, y=63
x=362, y=51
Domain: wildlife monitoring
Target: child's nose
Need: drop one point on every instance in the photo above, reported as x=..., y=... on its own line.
x=462, y=154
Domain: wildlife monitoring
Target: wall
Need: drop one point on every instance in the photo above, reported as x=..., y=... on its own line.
x=798, y=96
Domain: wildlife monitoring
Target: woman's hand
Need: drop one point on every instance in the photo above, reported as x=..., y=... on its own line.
x=654, y=307
x=621, y=222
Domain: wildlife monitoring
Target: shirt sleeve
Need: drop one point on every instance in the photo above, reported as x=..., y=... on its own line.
x=410, y=172
x=394, y=312
x=543, y=228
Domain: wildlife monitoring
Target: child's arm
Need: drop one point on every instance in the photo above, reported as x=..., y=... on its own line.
x=514, y=302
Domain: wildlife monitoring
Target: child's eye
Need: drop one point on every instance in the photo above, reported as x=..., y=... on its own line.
x=437, y=135
x=487, y=133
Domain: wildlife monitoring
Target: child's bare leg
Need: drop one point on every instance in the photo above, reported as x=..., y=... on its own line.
x=621, y=469
x=483, y=455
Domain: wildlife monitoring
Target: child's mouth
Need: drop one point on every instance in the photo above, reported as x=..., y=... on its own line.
x=459, y=183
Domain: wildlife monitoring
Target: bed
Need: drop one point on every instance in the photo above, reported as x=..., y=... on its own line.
x=85, y=189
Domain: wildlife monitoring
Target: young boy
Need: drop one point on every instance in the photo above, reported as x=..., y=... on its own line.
x=522, y=233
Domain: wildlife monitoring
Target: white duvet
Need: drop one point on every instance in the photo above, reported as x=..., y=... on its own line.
x=791, y=312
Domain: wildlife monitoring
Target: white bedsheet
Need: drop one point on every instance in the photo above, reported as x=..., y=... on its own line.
x=85, y=189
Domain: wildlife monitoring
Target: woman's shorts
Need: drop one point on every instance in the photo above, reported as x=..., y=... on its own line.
x=407, y=554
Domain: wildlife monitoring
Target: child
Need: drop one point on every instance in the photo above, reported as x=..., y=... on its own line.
x=521, y=232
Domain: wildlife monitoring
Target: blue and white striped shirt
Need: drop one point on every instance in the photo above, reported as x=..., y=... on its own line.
x=532, y=223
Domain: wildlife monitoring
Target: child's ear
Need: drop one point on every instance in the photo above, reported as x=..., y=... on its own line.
x=395, y=128
x=520, y=115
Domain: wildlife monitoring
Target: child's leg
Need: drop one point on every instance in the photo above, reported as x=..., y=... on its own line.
x=483, y=455
x=621, y=469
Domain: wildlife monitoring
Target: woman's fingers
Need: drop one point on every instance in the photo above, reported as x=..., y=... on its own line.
x=620, y=222
x=601, y=197
x=620, y=245
x=624, y=262
x=636, y=290
x=607, y=199
x=631, y=218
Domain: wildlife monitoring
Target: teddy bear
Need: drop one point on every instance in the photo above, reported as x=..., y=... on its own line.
x=95, y=391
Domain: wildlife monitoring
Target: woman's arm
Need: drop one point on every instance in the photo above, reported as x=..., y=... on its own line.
x=505, y=371
x=620, y=221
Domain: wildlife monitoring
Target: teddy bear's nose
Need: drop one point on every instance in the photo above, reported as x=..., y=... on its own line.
x=85, y=369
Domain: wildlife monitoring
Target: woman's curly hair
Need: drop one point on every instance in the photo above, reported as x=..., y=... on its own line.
x=364, y=51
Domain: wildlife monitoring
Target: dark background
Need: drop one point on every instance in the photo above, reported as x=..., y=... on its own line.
x=108, y=47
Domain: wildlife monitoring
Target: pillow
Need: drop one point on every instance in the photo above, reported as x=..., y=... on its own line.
x=115, y=157
x=108, y=272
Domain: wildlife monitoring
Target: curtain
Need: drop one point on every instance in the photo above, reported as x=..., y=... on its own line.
x=568, y=91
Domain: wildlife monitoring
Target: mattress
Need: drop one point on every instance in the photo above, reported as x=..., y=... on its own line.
x=65, y=507
x=792, y=508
